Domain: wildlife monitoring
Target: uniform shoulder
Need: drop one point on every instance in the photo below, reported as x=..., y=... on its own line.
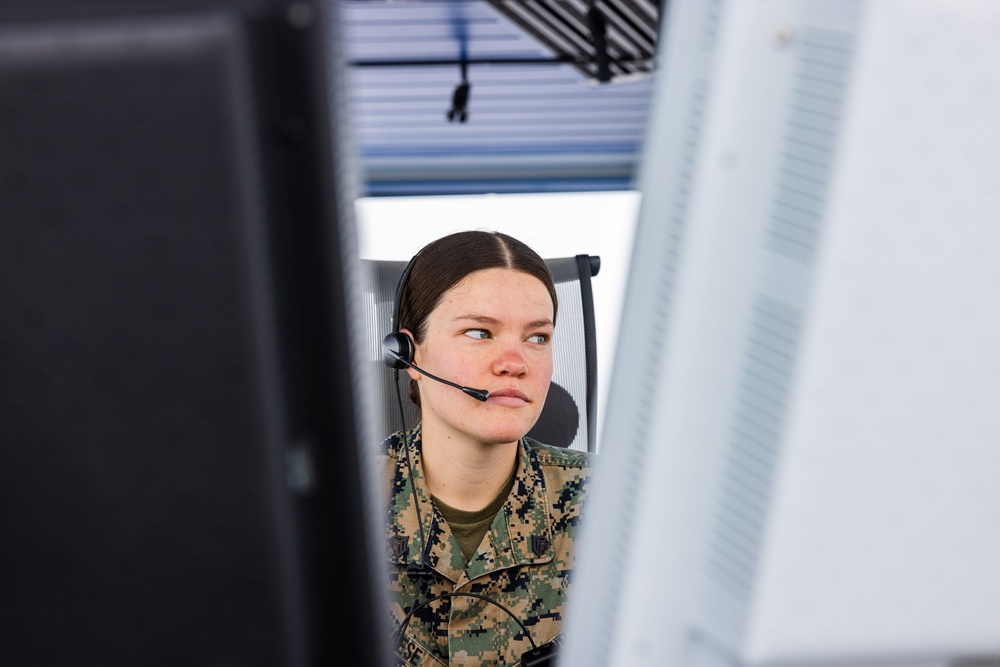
x=392, y=445
x=559, y=456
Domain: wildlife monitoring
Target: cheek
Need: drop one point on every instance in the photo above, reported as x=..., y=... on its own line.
x=543, y=369
x=443, y=358
x=545, y=363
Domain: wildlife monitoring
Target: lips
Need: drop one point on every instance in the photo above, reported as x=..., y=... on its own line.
x=510, y=397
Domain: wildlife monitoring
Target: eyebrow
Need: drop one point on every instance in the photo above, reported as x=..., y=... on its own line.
x=483, y=319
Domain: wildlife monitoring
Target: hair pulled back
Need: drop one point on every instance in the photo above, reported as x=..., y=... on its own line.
x=443, y=263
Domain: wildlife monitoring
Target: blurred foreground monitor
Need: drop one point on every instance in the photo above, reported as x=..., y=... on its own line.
x=801, y=464
x=180, y=482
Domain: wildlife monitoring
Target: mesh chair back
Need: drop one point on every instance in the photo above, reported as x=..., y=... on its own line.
x=569, y=417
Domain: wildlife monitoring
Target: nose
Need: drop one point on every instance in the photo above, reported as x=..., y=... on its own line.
x=510, y=361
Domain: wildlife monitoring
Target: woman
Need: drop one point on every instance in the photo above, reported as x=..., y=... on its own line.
x=477, y=511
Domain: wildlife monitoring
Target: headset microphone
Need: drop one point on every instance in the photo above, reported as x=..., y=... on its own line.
x=396, y=347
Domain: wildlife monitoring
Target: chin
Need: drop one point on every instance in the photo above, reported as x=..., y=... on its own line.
x=504, y=433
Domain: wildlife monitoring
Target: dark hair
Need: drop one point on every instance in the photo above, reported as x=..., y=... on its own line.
x=442, y=264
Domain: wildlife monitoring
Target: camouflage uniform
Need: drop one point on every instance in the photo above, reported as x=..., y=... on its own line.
x=523, y=563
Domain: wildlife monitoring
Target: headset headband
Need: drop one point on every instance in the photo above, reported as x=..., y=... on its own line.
x=399, y=292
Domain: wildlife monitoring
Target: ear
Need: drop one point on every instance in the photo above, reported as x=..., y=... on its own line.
x=416, y=350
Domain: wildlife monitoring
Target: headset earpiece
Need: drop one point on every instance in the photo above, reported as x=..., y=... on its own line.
x=397, y=348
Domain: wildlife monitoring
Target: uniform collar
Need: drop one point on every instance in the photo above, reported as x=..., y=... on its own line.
x=521, y=533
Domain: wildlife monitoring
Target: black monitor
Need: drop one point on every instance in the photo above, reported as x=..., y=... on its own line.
x=181, y=480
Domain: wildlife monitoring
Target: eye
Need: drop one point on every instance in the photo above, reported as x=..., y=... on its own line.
x=479, y=334
x=538, y=339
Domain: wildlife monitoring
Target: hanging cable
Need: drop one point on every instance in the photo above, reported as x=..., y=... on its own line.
x=460, y=98
x=599, y=38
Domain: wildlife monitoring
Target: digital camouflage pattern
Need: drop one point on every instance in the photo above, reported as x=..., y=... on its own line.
x=523, y=563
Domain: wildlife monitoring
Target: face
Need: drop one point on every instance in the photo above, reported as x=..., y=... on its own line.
x=493, y=331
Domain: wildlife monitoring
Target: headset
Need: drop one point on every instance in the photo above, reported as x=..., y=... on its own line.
x=398, y=348
x=397, y=353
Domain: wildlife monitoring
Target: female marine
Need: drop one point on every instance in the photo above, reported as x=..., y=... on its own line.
x=482, y=520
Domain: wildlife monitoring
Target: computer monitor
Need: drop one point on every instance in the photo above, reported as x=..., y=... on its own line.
x=800, y=459
x=184, y=477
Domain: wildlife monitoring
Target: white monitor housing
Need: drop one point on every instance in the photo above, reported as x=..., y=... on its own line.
x=800, y=464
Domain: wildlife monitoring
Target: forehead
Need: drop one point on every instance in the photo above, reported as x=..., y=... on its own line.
x=498, y=289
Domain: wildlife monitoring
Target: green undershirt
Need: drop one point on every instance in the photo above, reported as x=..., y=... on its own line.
x=469, y=528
